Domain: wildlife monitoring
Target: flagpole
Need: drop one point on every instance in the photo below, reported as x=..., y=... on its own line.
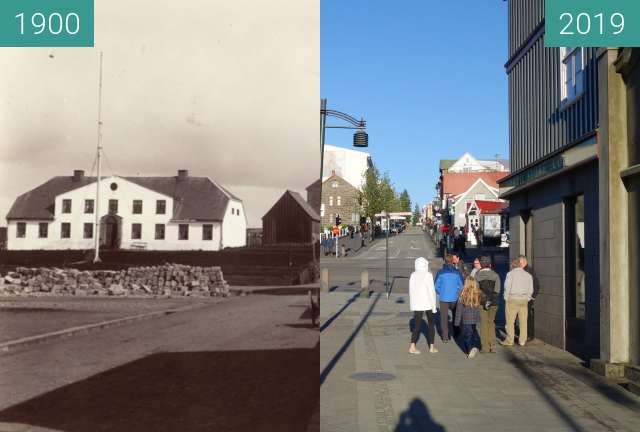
x=96, y=258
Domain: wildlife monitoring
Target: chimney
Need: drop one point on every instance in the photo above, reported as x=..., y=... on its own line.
x=333, y=172
x=78, y=175
x=183, y=174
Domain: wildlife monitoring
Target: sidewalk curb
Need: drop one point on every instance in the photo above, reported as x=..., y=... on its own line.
x=10, y=346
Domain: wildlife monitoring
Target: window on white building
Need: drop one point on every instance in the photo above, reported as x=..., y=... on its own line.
x=113, y=206
x=43, y=230
x=88, y=206
x=334, y=184
x=330, y=201
x=137, y=207
x=136, y=231
x=159, y=231
x=66, y=206
x=572, y=73
x=207, y=232
x=88, y=230
x=183, y=232
x=21, y=230
x=65, y=230
x=161, y=206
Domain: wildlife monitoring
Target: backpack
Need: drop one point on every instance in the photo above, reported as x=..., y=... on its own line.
x=489, y=296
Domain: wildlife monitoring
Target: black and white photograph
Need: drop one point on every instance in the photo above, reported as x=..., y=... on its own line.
x=160, y=222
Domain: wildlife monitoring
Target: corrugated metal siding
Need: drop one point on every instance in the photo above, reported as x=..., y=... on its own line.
x=538, y=125
x=524, y=18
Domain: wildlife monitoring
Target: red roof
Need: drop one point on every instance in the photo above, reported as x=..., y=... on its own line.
x=457, y=183
x=490, y=207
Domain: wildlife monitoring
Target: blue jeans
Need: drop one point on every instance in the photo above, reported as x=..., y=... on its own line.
x=470, y=338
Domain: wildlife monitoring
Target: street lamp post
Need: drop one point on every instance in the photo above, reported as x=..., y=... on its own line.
x=385, y=214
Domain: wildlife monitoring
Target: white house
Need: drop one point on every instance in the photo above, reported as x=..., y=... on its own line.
x=467, y=163
x=155, y=213
x=479, y=190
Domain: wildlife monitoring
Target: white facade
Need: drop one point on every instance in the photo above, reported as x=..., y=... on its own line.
x=468, y=163
x=480, y=190
x=127, y=222
x=349, y=164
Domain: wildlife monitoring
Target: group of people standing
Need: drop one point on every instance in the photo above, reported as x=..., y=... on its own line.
x=473, y=298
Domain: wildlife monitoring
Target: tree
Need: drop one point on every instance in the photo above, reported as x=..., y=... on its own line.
x=369, y=197
x=388, y=196
x=404, y=201
x=416, y=214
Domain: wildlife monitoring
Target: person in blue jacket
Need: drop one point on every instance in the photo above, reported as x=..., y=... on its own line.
x=449, y=283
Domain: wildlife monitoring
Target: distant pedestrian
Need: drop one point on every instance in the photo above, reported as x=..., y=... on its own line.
x=536, y=289
x=480, y=236
x=489, y=282
x=468, y=315
x=476, y=267
x=448, y=284
x=422, y=299
x=458, y=263
x=518, y=289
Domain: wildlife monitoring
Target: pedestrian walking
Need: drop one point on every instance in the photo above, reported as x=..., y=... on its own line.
x=518, y=289
x=422, y=300
x=536, y=289
x=448, y=285
x=468, y=315
x=489, y=282
x=476, y=267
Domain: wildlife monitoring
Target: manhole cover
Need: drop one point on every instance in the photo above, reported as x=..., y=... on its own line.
x=372, y=376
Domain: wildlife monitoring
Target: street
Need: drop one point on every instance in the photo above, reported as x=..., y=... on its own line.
x=369, y=382
x=242, y=364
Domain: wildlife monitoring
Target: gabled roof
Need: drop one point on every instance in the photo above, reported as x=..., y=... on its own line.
x=445, y=164
x=195, y=198
x=314, y=185
x=336, y=176
x=493, y=190
x=458, y=183
x=490, y=207
x=304, y=205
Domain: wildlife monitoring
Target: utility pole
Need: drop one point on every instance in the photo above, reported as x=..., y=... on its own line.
x=96, y=258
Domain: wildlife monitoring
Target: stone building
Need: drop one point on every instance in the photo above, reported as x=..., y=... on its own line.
x=339, y=197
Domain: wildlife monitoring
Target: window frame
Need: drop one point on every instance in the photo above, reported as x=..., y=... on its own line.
x=87, y=234
x=180, y=233
x=572, y=77
x=91, y=207
x=134, y=207
x=109, y=207
x=21, y=230
x=135, y=225
x=62, y=230
x=164, y=207
x=66, y=209
x=46, y=230
x=164, y=232
x=209, y=227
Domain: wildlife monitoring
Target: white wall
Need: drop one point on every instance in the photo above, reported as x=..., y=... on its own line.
x=234, y=225
x=348, y=164
x=125, y=194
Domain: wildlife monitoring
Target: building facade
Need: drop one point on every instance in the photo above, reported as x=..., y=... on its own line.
x=290, y=220
x=339, y=197
x=349, y=164
x=553, y=189
x=479, y=190
x=154, y=213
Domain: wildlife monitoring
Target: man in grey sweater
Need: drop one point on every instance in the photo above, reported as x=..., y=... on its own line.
x=518, y=290
x=489, y=282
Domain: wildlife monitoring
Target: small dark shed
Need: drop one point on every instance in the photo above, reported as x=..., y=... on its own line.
x=290, y=220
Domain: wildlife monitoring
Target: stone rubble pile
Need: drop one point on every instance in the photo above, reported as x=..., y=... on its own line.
x=165, y=280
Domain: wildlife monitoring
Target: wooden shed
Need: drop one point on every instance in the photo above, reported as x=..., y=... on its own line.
x=290, y=220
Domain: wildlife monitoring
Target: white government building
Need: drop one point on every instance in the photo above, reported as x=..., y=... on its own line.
x=155, y=213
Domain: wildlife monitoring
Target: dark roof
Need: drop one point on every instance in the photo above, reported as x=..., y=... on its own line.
x=491, y=207
x=195, y=198
x=315, y=184
x=306, y=207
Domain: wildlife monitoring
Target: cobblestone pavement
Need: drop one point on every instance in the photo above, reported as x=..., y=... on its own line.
x=535, y=388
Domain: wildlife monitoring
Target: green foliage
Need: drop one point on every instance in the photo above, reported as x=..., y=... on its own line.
x=416, y=214
x=378, y=194
x=404, y=201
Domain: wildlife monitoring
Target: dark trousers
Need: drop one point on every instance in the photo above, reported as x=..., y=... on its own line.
x=417, y=323
x=444, y=317
x=530, y=320
x=470, y=338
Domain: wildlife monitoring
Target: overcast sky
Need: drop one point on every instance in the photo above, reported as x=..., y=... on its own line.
x=226, y=89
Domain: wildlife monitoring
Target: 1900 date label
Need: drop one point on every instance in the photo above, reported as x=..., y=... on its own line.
x=47, y=23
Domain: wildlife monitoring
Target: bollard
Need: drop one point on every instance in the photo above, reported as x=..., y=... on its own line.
x=343, y=250
x=364, y=282
x=324, y=280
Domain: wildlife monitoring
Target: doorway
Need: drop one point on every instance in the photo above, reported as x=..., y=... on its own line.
x=575, y=281
x=110, y=232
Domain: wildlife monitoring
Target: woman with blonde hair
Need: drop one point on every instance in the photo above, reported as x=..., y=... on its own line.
x=468, y=314
x=422, y=299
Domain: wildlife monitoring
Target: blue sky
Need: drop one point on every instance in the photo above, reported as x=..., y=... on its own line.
x=427, y=76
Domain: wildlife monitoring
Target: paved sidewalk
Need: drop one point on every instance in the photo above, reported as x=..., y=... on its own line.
x=536, y=388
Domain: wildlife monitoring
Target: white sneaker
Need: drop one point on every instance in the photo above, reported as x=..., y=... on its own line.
x=473, y=352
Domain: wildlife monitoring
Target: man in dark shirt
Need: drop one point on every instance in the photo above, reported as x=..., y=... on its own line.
x=524, y=264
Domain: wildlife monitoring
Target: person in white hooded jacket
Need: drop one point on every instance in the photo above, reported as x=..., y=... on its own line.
x=422, y=299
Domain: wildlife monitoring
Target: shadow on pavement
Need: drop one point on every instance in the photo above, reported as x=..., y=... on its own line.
x=329, y=367
x=416, y=418
x=328, y=322
x=270, y=390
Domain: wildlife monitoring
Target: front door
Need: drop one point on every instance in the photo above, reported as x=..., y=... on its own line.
x=576, y=282
x=110, y=232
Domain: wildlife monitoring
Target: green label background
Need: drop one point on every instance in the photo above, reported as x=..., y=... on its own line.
x=10, y=25
x=630, y=37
